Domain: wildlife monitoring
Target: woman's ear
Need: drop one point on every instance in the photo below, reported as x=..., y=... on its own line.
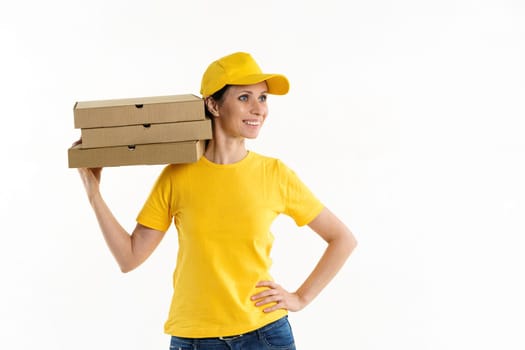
x=212, y=106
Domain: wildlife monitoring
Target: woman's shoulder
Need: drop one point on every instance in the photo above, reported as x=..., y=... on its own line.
x=271, y=162
x=265, y=158
x=176, y=170
x=173, y=168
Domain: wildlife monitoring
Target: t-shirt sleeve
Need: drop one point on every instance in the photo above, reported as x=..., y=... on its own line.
x=299, y=202
x=157, y=210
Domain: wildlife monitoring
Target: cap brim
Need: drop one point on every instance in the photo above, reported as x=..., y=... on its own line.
x=277, y=83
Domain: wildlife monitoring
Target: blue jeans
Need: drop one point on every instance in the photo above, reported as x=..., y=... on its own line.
x=273, y=336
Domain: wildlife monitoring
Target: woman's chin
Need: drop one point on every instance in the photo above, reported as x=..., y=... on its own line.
x=251, y=135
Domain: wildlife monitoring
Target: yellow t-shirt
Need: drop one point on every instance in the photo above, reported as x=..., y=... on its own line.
x=223, y=215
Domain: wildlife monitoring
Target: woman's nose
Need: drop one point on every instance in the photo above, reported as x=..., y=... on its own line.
x=258, y=108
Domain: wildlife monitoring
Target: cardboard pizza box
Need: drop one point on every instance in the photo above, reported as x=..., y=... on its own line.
x=146, y=133
x=141, y=154
x=140, y=110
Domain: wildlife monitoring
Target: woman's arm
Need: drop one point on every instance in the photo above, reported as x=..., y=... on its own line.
x=341, y=243
x=129, y=250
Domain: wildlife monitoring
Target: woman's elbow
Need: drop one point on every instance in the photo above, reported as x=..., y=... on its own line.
x=349, y=242
x=126, y=267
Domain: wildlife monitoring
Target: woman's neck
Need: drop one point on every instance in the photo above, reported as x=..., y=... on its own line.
x=225, y=151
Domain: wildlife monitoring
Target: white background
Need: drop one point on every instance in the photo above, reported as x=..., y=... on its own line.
x=404, y=117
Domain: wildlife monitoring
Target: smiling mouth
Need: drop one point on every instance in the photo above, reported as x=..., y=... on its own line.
x=252, y=122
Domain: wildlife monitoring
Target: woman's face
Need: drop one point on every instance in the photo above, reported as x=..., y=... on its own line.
x=242, y=111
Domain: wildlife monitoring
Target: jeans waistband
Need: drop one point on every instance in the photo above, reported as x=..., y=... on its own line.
x=234, y=337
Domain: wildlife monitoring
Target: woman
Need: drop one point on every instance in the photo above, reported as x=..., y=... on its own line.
x=223, y=206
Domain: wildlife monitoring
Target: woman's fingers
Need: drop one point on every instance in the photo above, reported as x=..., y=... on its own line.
x=276, y=295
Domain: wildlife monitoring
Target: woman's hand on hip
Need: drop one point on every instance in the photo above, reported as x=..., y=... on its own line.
x=278, y=296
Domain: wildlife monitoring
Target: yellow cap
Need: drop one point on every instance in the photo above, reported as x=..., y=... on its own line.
x=240, y=69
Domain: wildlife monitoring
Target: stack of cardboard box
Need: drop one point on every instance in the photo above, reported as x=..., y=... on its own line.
x=140, y=131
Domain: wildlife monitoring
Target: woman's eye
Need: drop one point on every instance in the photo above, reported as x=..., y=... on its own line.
x=243, y=98
x=263, y=98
